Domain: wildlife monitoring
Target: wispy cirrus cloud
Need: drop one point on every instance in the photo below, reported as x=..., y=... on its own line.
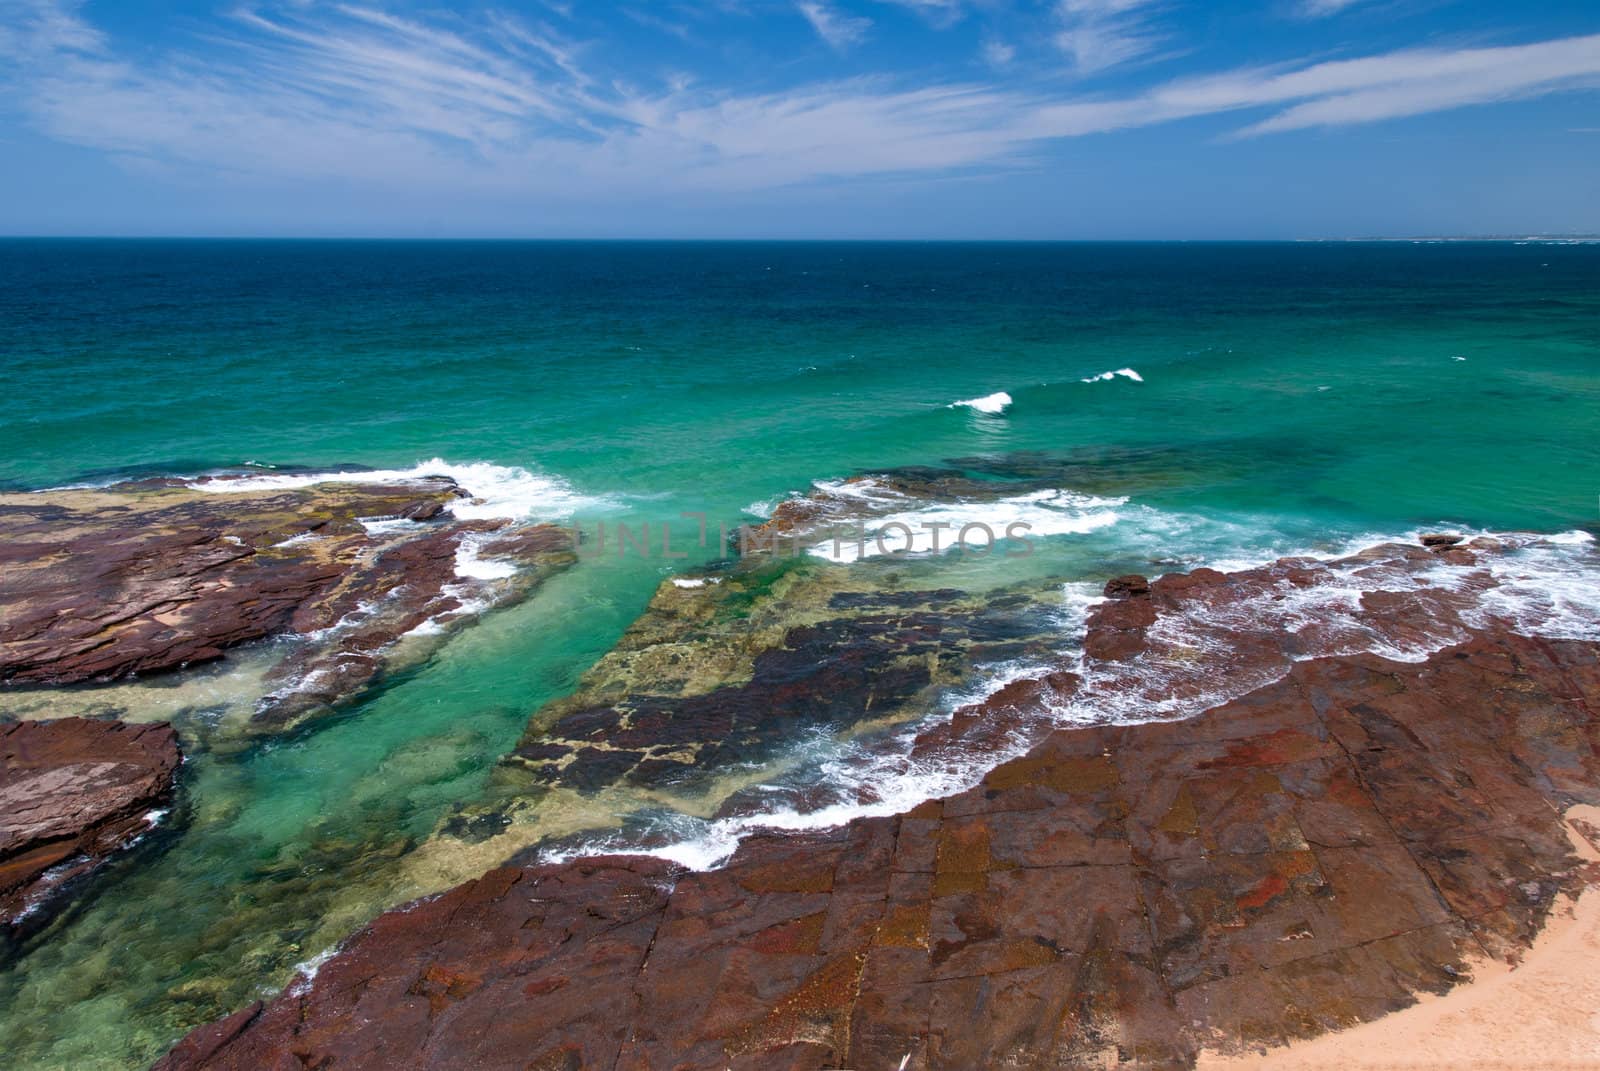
x=838, y=29
x=511, y=106
x=942, y=13
x=1317, y=9
x=1097, y=35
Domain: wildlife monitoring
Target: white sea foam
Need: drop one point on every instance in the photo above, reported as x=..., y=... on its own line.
x=1125, y=373
x=873, y=782
x=1540, y=586
x=46, y=886
x=306, y=971
x=694, y=581
x=943, y=526
x=47, y=883
x=1575, y=538
x=470, y=566
x=1547, y=587
x=499, y=492
x=868, y=489
x=382, y=526
x=989, y=403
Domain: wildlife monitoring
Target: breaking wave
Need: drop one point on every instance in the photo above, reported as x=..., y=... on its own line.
x=1125, y=373
x=498, y=492
x=989, y=403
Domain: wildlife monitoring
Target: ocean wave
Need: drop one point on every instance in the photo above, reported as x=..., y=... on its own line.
x=941, y=527
x=858, y=509
x=1125, y=373
x=499, y=492
x=989, y=403
x=496, y=493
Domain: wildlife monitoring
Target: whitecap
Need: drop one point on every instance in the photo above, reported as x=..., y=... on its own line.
x=989, y=403
x=1125, y=373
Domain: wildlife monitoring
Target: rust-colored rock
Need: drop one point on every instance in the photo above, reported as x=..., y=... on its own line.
x=1345, y=835
x=1130, y=586
x=136, y=579
x=72, y=793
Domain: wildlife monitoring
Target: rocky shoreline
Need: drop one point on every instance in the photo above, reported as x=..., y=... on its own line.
x=138, y=579
x=73, y=793
x=1361, y=797
x=145, y=579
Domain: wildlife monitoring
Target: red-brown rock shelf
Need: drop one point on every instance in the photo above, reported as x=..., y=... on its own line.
x=136, y=579
x=72, y=793
x=1315, y=852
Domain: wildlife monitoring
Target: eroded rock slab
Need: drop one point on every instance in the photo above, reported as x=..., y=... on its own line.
x=728, y=692
x=72, y=793
x=729, y=672
x=1338, y=838
x=136, y=579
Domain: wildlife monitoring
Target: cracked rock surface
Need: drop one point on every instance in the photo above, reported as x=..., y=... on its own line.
x=1348, y=833
x=72, y=793
x=100, y=585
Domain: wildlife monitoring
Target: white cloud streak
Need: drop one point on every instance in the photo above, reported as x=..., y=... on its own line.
x=839, y=30
x=940, y=13
x=1097, y=35
x=1319, y=9
x=512, y=108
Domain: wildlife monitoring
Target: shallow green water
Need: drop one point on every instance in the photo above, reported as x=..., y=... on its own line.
x=1290, y=394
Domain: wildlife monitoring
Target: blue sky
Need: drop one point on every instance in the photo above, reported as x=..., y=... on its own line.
x=800, y=118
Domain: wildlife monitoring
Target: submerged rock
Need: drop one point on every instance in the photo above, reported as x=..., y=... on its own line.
x=72, y=793
x=1330, y=834
x=721, y=694
x=752, y=677
x=139, y=579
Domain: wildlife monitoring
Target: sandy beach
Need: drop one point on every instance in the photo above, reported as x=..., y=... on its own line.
x=1544, y=1012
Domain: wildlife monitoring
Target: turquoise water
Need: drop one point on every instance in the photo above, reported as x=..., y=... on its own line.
x=1289, y=394
x=732, y=372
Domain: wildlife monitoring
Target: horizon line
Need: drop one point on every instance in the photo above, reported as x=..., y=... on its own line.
x=1582, y=237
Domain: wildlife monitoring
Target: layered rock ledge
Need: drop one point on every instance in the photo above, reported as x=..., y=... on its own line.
x=1345, y=833
x=72, y=793
x=105, y=584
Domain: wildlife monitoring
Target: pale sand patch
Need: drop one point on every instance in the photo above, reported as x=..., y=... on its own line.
x=1544, y=1013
